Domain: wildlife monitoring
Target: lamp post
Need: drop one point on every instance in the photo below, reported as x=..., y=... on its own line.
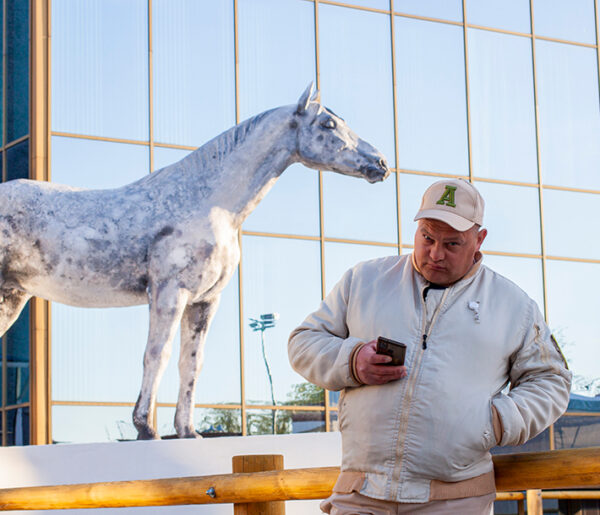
x=264, y=322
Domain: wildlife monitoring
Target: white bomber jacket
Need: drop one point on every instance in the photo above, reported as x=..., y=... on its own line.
x=428, y=436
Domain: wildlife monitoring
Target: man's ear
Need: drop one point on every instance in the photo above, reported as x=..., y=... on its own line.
x=480, y=237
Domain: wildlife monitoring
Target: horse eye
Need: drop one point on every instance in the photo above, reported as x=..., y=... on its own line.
x=329, y=123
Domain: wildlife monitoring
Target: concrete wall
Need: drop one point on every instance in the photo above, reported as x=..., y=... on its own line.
x=120, y=461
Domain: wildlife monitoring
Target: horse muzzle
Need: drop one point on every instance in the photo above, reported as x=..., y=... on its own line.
x=375, y=172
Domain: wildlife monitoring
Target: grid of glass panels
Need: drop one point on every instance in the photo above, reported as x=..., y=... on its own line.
x=441, y=92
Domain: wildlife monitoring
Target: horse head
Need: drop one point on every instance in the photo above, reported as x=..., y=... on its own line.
x=325, y=142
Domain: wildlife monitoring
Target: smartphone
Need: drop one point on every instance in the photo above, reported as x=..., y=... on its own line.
x=392, y=348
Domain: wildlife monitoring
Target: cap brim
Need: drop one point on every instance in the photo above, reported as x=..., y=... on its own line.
x=455, y=221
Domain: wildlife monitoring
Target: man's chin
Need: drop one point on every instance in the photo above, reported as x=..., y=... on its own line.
x=440, y=277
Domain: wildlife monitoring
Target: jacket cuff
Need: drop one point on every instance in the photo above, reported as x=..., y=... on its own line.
x=510, y=419
x=352, y=362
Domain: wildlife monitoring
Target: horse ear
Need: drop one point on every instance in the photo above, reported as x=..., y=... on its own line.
x=305, y=99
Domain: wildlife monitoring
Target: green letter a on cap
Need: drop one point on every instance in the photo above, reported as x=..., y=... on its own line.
x=448, y=197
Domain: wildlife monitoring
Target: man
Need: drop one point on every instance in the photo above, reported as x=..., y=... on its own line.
x=416, y=438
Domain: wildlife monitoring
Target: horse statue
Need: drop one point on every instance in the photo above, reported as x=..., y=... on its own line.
x=169, y=240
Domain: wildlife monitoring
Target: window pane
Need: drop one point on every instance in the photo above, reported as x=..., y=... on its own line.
x=355, y=209
x=356, y=72
x=17, y=426
x=167, y=156
x=502, y=107
x=277, y=53
x=573, y=432
x=100, y=68
x=291, y=207
x=339, y=257
x=375, y=4
x=17, y=360
x=569, y=115
x=280, y=276
x=575, y=235
x=525, y=272
x=573, y=314
x=17, y=69
x=97, y=164
x=443, y=9
x=17, y=161
x=502, y=14
x=193, y=70
x=207, y=421
x=572, y=20
x=262, y=422
x=432, y=113
x=512, y=217
x=83, y=424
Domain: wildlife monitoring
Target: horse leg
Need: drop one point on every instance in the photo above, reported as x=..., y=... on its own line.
x=194, y=326
x=167, y=302
x=12, y=303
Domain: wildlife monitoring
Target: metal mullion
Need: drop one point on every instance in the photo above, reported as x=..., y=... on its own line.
x=171, y=145
x=360, y=242
x=281, y=235
x=150, y=90
x=288, y=408
x=597, y=25
x=566, y=41
x=355, y=7
x=432, y=174
x=16, y=141
x=573, y=259
x=3, y=139
x=396, y=135
x=429, y=18
x=467, y=89
x=501, y=31
x=507, y=182
x=575, y=190
x=99, y=138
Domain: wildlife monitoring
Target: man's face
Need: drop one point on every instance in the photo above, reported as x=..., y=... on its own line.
x=443, y=254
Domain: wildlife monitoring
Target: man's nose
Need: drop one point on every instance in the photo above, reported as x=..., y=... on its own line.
x=436, y=252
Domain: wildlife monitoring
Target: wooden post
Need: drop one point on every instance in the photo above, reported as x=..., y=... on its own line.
x=534, y=502
x=258, y=463
x=520, y=507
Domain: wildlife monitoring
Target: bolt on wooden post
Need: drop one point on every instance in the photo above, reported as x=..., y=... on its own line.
x=258, y=463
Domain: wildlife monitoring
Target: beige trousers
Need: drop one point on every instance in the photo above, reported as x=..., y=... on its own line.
x=357, y=504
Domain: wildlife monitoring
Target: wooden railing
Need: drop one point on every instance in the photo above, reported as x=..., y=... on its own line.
x=248, y=485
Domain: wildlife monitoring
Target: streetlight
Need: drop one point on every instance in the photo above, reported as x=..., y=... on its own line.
x=266, y=321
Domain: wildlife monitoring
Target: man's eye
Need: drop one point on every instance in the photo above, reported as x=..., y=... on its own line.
x=329, y=123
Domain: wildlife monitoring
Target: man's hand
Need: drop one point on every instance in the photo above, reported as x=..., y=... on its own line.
x=371, y=368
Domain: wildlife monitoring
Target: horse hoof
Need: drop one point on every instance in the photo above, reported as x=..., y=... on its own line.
x=147, y=434
x=190, y=433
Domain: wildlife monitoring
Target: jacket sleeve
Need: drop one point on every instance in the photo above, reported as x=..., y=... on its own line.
x=540, y=384
x=320, y=349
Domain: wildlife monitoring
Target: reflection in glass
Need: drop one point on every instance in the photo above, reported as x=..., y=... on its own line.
x=355, y=209
x=279, y=276
x=573, y=313
x=333, y=420
x=193, y=70
x=17, y=426
x=574, y=432
x=432, y=113
x=167, y=156
x=17, y=161
x=210, y=422
x=259, y=422
x=565, y=19
x=525, y=272
x=512, y=218
x=291, y=207
x=502, y=106
x=85, y=424
x=100, y=71
x=356, y=73
x=276, y=53
x=569, y=114
x=17, y=69
x=442, y=9
x=17, y=360
x=501, y=14
x=339, y=257
x=97, y=164
x=571, y=224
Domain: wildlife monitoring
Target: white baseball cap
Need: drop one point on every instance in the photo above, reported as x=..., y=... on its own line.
x=453, y=201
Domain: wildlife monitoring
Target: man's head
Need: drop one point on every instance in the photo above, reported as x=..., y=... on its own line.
x=449, y=234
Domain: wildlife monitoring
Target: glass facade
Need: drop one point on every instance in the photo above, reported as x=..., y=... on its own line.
x=443, y=88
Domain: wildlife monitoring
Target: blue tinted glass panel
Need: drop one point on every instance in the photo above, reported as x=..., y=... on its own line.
x=502, y=14
x=2, y=81
x=374, y=4
x=277, y=53
x=502, y=106
x=569, y=115
x=86, y=424
x=97, y=354
x=17, y=69
x=512, y=218
x=280, y=276
x=100, y=68
x=97, y=164
x=432, y=113
x=193, y=70
x=356, y=72
x=355, y=209
x=291, y=207
x=167, y=156
x=572, y=20
x=571, y=224
x=339, y=257
x=17, y=161
x=17, y=426
x=207, y=421
x=264, y=422
x=443, y=9
x=572, y=432
x=223, y=339
x=525, y=272
x=573, y=313
x=17, y=360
